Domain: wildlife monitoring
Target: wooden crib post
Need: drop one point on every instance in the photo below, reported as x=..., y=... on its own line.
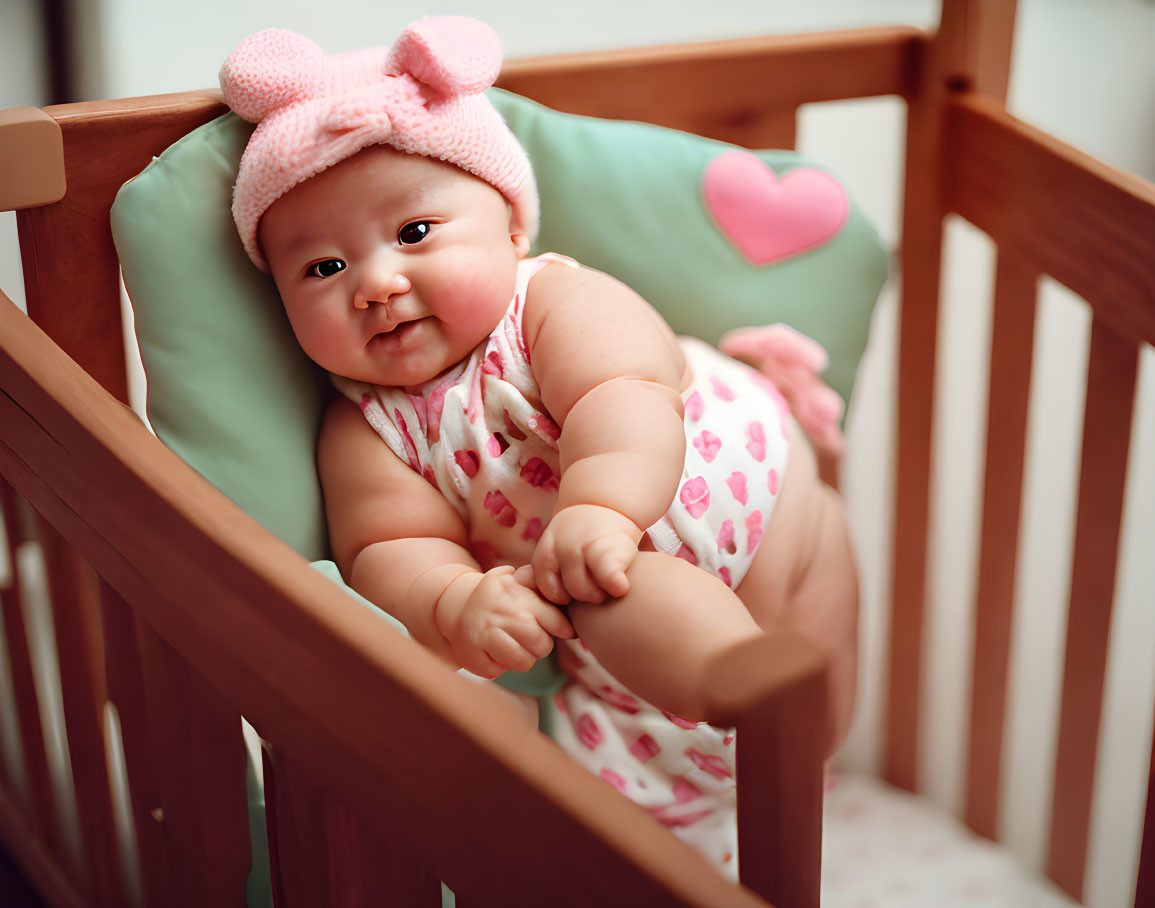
x=70, y=242
x=774, y=690
x=970, y=50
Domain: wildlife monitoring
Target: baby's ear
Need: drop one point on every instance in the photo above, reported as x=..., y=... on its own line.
x=520, y=243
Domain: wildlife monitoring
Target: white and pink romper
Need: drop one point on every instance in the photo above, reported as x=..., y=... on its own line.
x=480, y=435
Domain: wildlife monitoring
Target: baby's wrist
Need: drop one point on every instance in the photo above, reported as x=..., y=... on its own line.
x=638, y=487
x=608, y=510
x=450, y=603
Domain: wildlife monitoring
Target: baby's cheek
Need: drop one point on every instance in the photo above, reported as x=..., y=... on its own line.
x=477, y=308
x=320, y=338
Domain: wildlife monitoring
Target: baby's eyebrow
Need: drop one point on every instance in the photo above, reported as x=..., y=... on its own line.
x=298, y=243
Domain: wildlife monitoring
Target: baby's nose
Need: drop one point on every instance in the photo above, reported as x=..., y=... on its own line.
x=380, y=284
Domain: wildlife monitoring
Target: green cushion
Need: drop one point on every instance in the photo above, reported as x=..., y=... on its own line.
x=626, y=198
x=231, y=393
x=228, y=388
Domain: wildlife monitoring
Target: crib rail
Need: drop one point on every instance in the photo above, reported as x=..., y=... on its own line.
x=1086, y=224
x=765, y=79
x=283, y=646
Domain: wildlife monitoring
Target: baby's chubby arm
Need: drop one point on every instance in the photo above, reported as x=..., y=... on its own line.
x=611, y=374
x=402, y=546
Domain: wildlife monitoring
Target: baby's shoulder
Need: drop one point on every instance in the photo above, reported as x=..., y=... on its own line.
x=564, y=288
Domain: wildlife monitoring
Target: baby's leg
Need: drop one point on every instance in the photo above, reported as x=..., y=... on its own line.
x=659, y=638
x=803, y=579
x=677, y=618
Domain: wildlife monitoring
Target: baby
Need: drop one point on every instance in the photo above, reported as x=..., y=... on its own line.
x=548, y=442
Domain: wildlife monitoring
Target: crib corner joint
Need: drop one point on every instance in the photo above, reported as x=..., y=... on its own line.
x=31, y=159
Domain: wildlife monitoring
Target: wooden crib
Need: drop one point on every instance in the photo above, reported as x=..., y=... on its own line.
x=174, y=606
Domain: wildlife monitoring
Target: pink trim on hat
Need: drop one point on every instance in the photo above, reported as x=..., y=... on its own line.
x=422, y=96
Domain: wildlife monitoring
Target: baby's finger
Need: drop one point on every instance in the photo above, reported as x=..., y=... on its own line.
x=481, y=664
x=554, y=622
x=524, y=576
x=579, y=582
x=547, y=575
x=609, y=558
x=533, y=639
x=508, y=652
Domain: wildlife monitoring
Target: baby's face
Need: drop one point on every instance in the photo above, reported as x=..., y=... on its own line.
x=392, y=267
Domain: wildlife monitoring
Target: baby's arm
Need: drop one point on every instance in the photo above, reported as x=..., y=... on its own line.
x=401, y=545
x=611, y=374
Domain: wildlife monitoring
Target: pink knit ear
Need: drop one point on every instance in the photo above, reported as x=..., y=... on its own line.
x=452, y=54
x=268, y=70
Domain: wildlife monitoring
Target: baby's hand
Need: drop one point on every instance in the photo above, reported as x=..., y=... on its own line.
x=494, y=624
x=584, y=554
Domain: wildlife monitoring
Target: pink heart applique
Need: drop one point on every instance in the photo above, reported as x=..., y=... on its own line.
x=768, y=218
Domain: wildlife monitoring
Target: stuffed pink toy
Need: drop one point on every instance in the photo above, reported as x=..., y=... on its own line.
x=794, y=363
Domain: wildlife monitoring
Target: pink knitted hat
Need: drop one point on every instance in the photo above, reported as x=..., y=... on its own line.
x=423, y=96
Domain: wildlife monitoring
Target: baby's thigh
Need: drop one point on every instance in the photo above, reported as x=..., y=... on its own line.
x=809, y=585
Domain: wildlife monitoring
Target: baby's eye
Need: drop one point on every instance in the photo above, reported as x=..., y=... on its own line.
x=413, y=232
x=327, y=268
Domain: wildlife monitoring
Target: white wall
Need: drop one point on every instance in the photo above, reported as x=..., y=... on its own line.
x=1084, y=71
x=23, y=82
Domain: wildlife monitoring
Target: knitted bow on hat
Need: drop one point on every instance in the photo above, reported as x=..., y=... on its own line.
x=422, y=96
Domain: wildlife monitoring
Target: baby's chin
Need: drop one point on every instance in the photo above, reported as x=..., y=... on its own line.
x=403, y=369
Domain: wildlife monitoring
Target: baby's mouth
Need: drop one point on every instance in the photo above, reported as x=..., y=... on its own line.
x=398, y=334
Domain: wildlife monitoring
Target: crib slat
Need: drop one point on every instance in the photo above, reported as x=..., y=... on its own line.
x=43, y=802
x=126, y=690
x=298, y=850
x=1106, y=440
x=80, y=648
x=1145, y=884
x=1016, y=284
x=198, y=753
x=918, y=332
x=52, y=882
